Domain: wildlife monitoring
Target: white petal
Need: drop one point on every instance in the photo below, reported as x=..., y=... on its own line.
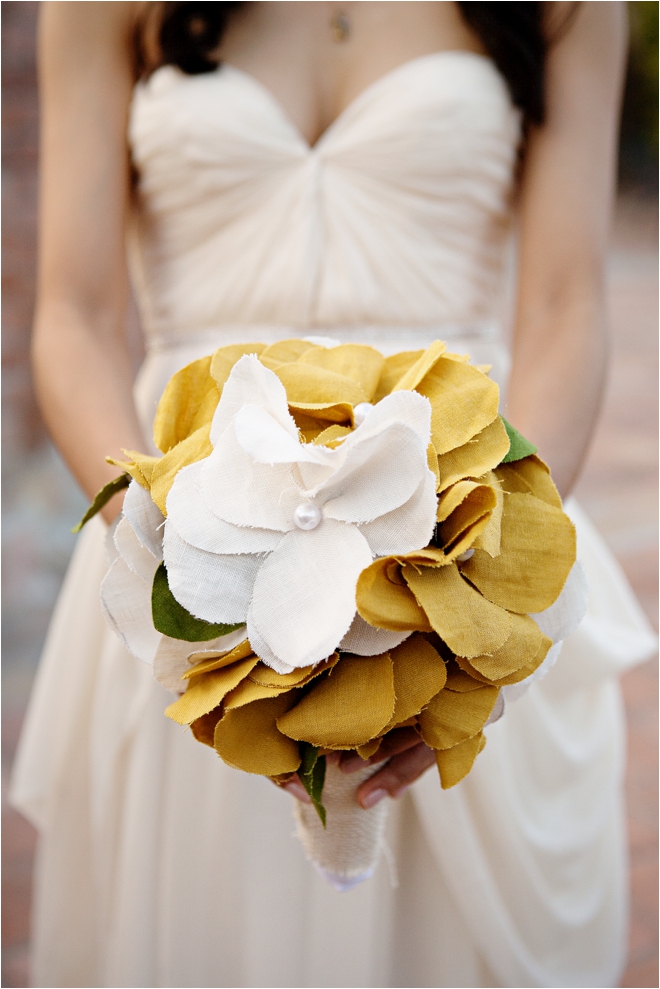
x=126, y=604
x=499, y=709
x=188, y=514
x=268, y=442
x=407, y=528
x=215, y=647
x=264, y=652
x=408, y=408
x=145, y=517
x=304, y=594
x=212, y=587
x=137, y=556
x=251, y=383
x=563, y=617
x=515, y=690
x=244, y=493
x=111, y=551
x=170, y=663
x=365, y=640
x=378, y=475
x=174, y=657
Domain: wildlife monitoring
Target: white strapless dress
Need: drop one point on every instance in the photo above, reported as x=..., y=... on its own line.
x=160, y=866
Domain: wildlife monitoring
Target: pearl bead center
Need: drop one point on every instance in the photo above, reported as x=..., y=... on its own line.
x=307, y=516
x=361, y=411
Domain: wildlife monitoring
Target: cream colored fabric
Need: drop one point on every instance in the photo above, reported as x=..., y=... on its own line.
x=158, y=864
x=347, y=851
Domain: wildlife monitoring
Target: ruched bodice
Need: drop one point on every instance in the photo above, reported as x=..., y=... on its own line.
x=396, y=216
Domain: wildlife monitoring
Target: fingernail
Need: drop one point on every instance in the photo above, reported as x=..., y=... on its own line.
x=298, y=791
x=373, y=798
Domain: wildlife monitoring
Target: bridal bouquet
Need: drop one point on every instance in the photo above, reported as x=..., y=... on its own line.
x=333, y=545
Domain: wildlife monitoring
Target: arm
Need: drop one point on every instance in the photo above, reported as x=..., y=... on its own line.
x=560, y=343
x=81, y=362
x=560, y=338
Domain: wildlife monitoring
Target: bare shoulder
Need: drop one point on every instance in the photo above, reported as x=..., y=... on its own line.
x=594, y=33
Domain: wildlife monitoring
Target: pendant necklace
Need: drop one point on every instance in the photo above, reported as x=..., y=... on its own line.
x=340, y=26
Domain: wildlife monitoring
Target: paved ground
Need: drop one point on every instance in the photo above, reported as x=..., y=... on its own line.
x=618, y=488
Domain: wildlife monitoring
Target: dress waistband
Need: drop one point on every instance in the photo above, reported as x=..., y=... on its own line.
x=408, y=336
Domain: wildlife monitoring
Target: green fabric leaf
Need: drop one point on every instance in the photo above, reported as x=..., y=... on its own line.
x=172, y=619
x=312, y=776
x=102, y=498
x=520, y=447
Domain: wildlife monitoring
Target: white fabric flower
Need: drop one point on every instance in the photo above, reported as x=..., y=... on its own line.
x=275, y=533
x=135, y=550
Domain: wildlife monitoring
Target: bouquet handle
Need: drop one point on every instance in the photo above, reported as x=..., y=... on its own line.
x=347, y=850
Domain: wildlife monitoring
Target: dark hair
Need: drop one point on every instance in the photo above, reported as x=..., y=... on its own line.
x=511, y=33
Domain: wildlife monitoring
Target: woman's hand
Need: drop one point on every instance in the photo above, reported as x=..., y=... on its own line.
x=405, y=756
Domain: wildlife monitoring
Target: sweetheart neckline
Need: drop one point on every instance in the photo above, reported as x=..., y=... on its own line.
x=354, y=103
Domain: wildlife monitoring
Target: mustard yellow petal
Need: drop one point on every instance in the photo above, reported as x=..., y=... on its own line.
x=432, y=461
x=415, y=374
x=385, y=601
x=269, y=678
x=476, y=506
x=315, y=385
x=394, y=369
x=140, y=466
x=369, y=748
x=467, y=538
x=203, y=729
x=529, y=476
x=419, y=673
x=519, y=649
x=247, y=692
x=461, y=678
x=188, y=402
x=360, y=363
x=463, y=400
x=286, y=351
x=346, y=708
x=532, y=663
x=332, y=436
x=247, y=738
x=455, y=763
x=537, y=553
x=321, y=412
x=224, y=359
x=217, y=660
x=452, y=497
x=476, y=457
x=466, y=621
x=490, y=538
x=188, y=451
x=207, y=690
x=452, y=717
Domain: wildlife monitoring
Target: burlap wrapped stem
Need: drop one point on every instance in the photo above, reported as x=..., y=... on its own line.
x=456, y=608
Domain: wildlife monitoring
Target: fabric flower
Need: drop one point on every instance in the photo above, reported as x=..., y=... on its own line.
x=275, y=532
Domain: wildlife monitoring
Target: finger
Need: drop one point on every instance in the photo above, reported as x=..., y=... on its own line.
x=297, y=790
x=396, y=776
x=393, y=743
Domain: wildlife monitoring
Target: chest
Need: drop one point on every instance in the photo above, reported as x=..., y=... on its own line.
x=317, y=58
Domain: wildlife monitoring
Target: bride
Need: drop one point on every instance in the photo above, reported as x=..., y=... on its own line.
x=351, y=169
